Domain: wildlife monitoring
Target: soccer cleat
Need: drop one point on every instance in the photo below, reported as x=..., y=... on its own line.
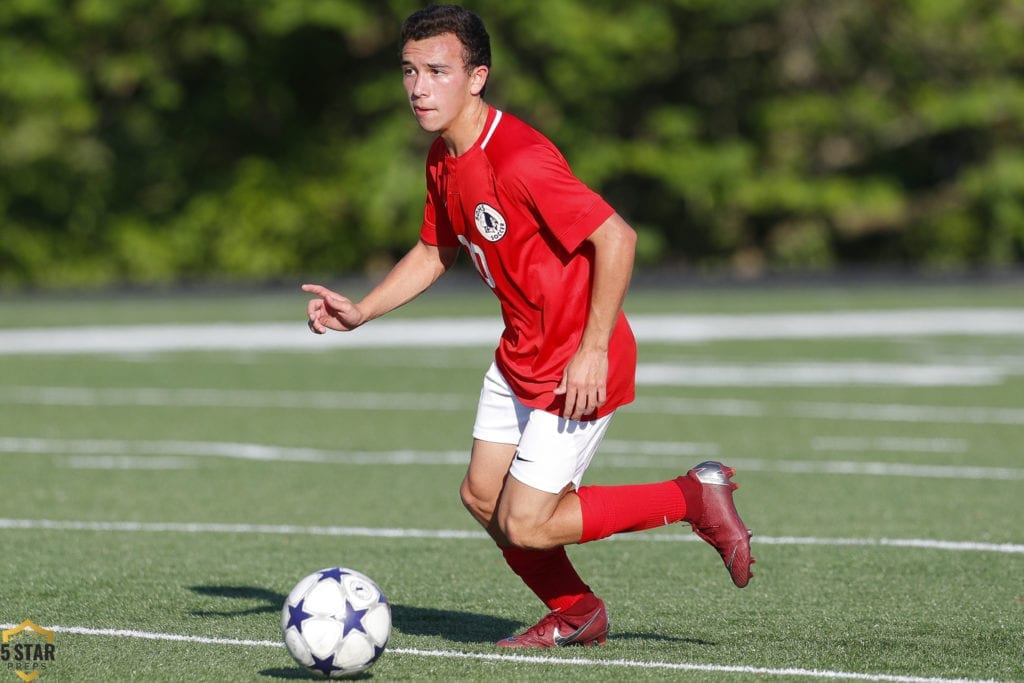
x=719, y=523
x=581, y=624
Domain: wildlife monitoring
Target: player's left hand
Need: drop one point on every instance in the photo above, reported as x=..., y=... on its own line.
x=584, y=384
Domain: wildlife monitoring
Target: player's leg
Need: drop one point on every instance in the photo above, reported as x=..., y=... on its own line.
x=548, y=572
x=553, y=450
x=499, y=424
x=536, y=519
x=532, y=514
x=500, y=419
x=482, y=485
x=703, y=498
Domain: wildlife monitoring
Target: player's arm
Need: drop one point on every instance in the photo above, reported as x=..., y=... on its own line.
x=584, y=381
x=410, y=277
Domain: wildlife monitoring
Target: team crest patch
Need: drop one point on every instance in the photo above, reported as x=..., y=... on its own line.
x=489, y=222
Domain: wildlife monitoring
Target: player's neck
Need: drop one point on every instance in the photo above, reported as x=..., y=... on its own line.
x=467, y=128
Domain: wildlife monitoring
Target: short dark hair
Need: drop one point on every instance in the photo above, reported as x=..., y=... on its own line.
x=436, y=20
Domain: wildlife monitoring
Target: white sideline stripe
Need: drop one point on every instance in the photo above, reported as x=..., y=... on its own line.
x=812, y=374
x=882, y=469
x=908, y=413
x=240, y=451
x=458, y=534
x=332, y=400
x=524, y=659
x=859, y=444
x=830, y=324
x=221, y=398
x=642, y=454
x=126, y=462
x=215, y=528
x=248, y=451
x=466, y=332
x=861, y=412
x=146, y=635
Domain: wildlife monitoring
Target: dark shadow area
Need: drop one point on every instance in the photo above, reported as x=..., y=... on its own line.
x=467, y=627
x=453, y=625
x=298, y=674
x=463, y=627
x=272, y=601
x=294, y=673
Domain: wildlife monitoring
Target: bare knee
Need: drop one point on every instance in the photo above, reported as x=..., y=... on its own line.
x=537, y=520
x=526, y=534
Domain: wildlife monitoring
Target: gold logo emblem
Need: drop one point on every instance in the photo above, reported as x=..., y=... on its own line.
x=31, y=654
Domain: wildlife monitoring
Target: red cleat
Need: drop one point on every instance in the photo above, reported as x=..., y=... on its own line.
x=719, y=523
x=585, y=623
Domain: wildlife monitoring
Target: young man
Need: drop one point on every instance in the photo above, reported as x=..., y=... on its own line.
x=559, y=259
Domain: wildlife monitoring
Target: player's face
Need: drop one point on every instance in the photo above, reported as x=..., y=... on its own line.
x=440, y=89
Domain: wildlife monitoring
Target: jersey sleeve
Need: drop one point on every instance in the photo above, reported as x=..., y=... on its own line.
x=436, y=228
x=560, y=200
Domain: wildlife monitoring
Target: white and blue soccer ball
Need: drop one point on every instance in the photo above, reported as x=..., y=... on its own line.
x=336, y=622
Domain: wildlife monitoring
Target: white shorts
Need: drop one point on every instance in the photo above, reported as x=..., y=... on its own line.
x=552, y=451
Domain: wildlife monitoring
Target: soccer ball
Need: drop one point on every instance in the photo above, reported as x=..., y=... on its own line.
x=336, y=622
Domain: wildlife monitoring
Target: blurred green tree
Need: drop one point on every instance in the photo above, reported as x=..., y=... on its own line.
x=155, y=141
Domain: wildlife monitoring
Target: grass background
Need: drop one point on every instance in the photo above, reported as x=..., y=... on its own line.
x=866, y=610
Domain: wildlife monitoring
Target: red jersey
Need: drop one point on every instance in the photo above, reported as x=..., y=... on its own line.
x=522, y=216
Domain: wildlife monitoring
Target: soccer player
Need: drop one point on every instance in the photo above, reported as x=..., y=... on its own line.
x=559, y=259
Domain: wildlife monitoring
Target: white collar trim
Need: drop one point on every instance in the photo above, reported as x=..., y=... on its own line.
x=494, y=126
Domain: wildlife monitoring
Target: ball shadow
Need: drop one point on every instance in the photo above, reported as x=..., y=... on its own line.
x=271, y=601
x=298, y=674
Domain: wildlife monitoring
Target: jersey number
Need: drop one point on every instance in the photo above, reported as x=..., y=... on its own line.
x=479, y=260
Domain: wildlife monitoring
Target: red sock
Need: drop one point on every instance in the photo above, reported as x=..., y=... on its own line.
x=549, y=574
x=608, y=510
x=694, y=499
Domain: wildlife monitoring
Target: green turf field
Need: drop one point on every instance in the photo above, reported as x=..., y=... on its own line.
x=157, y=507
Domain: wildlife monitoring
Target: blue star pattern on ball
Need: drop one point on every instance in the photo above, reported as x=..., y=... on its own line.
x=353, y=620
x=331, y=574
x=297, y=615
x=324, y=612
x=325, y=666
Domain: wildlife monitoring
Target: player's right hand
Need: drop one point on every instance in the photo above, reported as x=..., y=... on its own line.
x=331, y=310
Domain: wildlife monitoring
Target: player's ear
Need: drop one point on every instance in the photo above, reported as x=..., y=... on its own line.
x=478, y=79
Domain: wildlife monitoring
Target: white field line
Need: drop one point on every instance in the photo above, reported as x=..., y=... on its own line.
x=907, y=413
x=334, y=400
x=818, y=373
x=644, y=454
x=881, y=469
x=459, y=534
x=127, y=462
x=159, y=397
x=467, y=332
x=860, y=412
x=276, y=453
x=860, y=444
x=525, y=659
